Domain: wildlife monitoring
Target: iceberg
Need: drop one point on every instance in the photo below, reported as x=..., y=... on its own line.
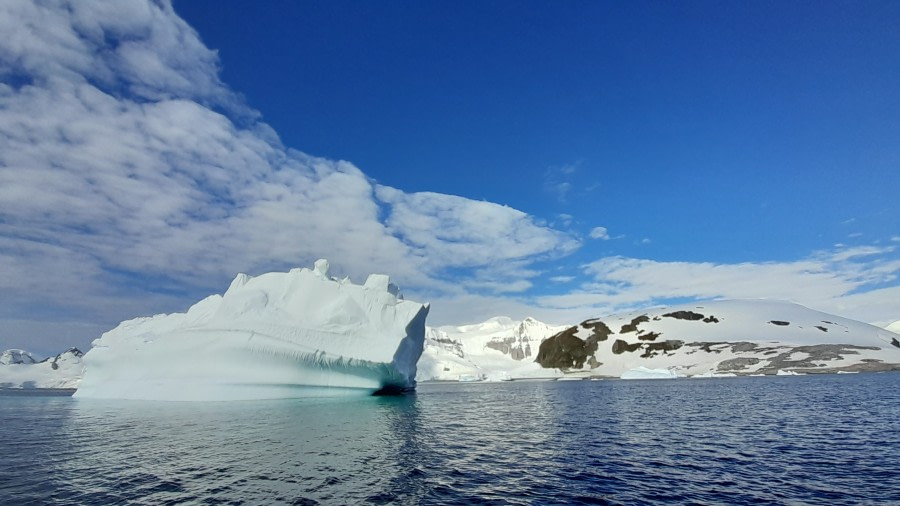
x=278, y=335
x=646, y=373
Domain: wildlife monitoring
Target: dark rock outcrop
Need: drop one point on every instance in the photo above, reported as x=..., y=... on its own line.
x=633, y=326
x=649, y=336
x=566, y=351
x=736, y=364
x=685, y=315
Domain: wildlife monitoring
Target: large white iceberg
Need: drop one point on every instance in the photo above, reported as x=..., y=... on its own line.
x=277, y=335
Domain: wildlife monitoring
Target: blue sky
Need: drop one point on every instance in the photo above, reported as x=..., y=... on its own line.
x=770, y=123
x=555, y=159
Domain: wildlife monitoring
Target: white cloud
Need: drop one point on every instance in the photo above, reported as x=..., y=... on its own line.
x=599, y=233
x=850, y=282
x=132, y=180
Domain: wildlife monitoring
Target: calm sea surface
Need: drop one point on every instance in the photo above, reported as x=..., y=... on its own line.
x=789, y=440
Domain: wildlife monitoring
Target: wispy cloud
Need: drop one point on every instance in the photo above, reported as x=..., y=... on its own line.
x=833, y=280
x=558, y=181
x=599, y=233
x=132, y=179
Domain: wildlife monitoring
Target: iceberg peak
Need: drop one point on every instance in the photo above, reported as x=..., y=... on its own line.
x=321, y=267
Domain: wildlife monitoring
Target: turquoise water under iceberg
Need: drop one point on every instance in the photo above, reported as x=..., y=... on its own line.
x=811, y=439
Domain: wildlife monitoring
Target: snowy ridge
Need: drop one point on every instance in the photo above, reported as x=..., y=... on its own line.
x=735, y=337
x=19, y=369
x=894, y=327
x=276, y=335
x=16, y=357
x=706, y=340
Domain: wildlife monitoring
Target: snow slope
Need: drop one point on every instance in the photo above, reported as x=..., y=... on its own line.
x=722, y=337
x=497, y=349
x=281, y=334
x=894, y=327
x=19, y=369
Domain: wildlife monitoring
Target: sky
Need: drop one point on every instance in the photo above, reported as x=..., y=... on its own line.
x=561, y=160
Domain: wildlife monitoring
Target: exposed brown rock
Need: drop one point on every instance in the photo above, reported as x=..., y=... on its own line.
x=684, y=315
x=736, y=364
x=619, y=347
x=632, y=327
x=649, y=336
x=599, y=330
x=652, y=349
x=565, y=351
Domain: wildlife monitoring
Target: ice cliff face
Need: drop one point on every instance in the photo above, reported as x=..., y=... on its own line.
x=19, y=369
x=721, y=338
x=276, y=335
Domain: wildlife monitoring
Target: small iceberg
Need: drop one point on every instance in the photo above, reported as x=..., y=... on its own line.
x=646, y=373
x=712, y=374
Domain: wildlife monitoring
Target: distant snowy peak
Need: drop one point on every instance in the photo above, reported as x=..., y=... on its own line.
x=517, y=339
x=20, y=370
x=16, y=356
x=72, y=355
x=494, y=349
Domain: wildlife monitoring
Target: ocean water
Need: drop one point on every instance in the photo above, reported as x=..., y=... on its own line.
x=831, y=439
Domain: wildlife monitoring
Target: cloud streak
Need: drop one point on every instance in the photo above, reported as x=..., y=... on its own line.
x=831, y=281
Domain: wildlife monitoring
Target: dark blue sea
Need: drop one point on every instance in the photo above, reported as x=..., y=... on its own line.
x=831, y=439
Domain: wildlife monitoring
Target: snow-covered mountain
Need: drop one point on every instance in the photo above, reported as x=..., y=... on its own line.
x=281, y=334
x=710, y=339
x=19, y=369
x=722, y=337
x=500, y=348
x=15, y=357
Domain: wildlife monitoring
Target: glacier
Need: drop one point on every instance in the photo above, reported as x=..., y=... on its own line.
x=499, y=349
x=278, y=335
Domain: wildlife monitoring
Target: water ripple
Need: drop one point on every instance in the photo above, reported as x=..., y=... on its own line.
x=809, y=440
